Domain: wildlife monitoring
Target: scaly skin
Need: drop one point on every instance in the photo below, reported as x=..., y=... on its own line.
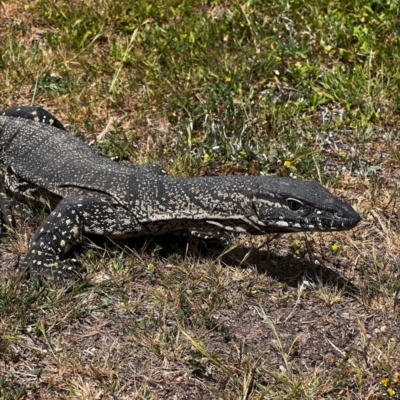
x=95, y=195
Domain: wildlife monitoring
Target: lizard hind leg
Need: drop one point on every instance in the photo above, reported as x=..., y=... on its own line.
x=63, y=229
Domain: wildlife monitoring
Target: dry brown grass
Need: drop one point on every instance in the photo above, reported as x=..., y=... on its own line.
x=170, y=318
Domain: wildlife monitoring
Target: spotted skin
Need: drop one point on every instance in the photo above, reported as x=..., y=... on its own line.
x=36, y=114
x=91, y=194
x=65, y=226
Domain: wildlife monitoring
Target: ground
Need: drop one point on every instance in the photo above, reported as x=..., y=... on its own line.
x=308, y=90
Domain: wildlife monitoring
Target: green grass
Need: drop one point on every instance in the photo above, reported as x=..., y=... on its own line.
x=302, y=89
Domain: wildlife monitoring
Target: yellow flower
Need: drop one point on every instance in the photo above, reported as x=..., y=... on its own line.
x=297, y=64
x=287, y=164
x=328, y=48
x=385, y=382
x=277, y=58
x=391, y=392
x=334, y=247
x=228, y=79
x=207, y=158
x=243, y=153
x=342, y=154
x=150, y=269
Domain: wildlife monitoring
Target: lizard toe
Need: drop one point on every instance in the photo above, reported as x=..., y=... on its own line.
x=51, y=268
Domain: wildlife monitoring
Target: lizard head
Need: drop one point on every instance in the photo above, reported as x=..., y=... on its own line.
x=290, y=205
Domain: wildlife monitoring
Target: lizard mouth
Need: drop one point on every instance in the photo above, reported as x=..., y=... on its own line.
x=338, y=223
x=346, y=220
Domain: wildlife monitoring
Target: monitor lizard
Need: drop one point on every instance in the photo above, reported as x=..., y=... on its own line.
x=92, y=194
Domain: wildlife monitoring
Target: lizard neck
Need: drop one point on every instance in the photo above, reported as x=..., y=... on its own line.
x=166, y=204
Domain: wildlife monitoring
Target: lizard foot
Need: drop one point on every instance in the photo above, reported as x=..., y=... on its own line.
x=224, y=238
x=48, y=266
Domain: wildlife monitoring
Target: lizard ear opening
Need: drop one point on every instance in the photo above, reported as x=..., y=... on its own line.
x=293, y=204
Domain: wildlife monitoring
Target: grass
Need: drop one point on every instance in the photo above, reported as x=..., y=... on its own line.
x=302, y=89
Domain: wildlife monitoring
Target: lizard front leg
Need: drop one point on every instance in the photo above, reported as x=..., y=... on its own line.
x=5, y=203
x=64, y=228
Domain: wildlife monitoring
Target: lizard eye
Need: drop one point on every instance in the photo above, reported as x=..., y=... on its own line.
x=294, y=204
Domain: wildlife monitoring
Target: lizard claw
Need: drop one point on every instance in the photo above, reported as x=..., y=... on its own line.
x=51, y=268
